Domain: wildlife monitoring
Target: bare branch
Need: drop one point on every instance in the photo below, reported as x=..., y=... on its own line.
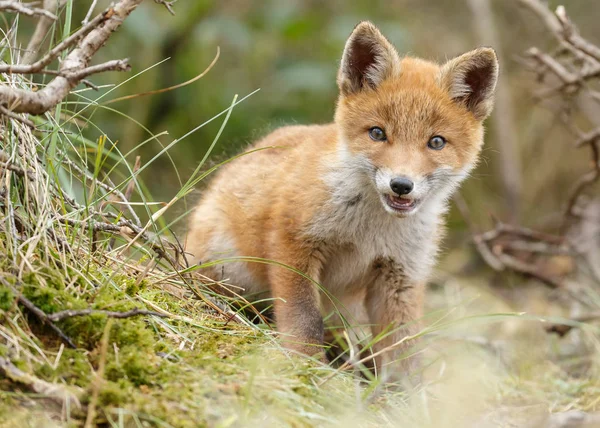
x=114, y=65
x=526, y=269
x=55, y=51
x=41, y=31
x=589, y=138
x=583, y=183
x=561, y=27
x=89, y=13
x=553, y=65
x=167, y=4
x=25, y=9
x=95, y=34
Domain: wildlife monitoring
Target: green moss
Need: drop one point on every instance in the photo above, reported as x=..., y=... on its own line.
x=46, y=289
x=168, y=372
x=85, y=331
x=133, y=364
x=114, y=393
x=73, y=369
x=7, y=298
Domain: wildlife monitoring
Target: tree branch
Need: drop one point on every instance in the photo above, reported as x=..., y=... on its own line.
x=41, y=31
x=95, y=34
x=25, y=9
x=561, y=27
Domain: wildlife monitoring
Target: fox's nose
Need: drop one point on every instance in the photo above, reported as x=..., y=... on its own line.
x=401, y=185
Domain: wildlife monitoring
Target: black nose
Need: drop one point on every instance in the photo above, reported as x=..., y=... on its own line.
x=401, y=185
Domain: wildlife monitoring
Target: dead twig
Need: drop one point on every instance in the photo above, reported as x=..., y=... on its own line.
x=59, y=316
x=571, y=69
x=167, y=4
x=527, y=269
x=39, y=314
x=561, y=27
x=37, y=66
x=89, y=12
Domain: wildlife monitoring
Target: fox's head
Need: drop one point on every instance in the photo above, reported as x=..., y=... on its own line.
x=413, y=127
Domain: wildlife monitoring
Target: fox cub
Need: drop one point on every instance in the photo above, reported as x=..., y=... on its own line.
x=357, y=205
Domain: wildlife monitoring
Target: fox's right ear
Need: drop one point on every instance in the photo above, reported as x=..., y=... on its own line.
x=368, y=59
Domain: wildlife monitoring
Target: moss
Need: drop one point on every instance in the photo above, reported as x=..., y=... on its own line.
x=85, y=331
x=114, y=393
x=73, y=369
x=168, y=372
x=50, y=297
x=133, y=364
x=132, y=331
x=7, y=298
x=128, y=285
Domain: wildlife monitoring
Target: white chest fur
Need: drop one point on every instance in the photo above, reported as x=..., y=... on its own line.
x=357, y=230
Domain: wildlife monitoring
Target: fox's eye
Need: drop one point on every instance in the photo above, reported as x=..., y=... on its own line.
x=436, y=143
x=377, y=134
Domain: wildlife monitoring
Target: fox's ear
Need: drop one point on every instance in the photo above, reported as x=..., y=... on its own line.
x=368, y=59
x=471, y=80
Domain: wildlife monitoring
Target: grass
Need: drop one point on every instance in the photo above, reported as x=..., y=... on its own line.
x=68, y=241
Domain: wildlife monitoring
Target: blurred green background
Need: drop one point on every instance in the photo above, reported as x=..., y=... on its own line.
x=290, y=49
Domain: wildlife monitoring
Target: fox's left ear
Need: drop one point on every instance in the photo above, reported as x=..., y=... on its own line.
x=471, y=80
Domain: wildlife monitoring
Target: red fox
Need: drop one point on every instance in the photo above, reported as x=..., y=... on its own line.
x=357, y=205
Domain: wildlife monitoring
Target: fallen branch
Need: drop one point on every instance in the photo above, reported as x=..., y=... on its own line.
x=527, y=269
x=59, y=316
x=58, y=393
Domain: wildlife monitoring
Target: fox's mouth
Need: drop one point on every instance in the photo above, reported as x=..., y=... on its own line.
x=399, y=204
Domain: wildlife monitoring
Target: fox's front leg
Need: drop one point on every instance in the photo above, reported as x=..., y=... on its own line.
x=394, y=305
x=297, y=300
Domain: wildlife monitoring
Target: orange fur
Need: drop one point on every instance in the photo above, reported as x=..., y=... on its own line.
x=317, y=200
